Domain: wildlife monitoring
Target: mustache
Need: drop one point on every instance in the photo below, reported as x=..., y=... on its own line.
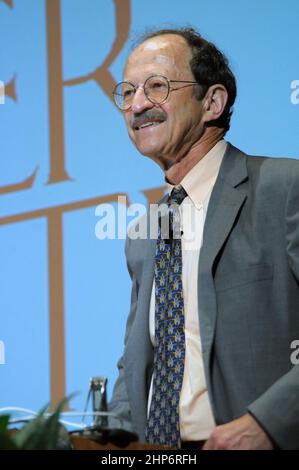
x=149, y=115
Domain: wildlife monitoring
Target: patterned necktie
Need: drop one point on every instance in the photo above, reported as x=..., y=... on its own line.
x=163, y=426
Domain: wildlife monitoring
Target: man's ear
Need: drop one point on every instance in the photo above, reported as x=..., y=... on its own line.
x=214, y=102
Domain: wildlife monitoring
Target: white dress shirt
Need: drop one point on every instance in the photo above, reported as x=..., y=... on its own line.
x=196, y=417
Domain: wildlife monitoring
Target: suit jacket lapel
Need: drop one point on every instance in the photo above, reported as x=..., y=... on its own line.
x=226, y=201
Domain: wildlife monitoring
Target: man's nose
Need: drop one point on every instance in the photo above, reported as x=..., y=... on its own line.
x=140, y=101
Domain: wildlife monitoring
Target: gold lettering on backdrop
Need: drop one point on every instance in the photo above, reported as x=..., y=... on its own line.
x=56, y=305
x=154, y=195
x=54, y=217
x=27, y=183
x=10, y=89
x=2, y=92
x=8, y=3
x=101, y=75
x=58, y=172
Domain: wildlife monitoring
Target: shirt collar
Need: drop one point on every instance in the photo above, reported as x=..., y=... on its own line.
x=199, y=181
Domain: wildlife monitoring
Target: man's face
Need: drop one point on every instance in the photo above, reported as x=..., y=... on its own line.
x=178, y=122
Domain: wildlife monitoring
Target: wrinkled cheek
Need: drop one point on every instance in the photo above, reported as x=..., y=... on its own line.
x=131, y=135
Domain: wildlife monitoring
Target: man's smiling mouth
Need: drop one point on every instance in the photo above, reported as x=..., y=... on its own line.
x=147, y=124
x=149, y=118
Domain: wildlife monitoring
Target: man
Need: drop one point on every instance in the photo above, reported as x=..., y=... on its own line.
x=236, y=292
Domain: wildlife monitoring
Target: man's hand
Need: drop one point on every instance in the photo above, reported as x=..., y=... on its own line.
x=241, y=434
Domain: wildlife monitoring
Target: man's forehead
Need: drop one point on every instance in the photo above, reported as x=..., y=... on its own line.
x=170, y=50
x=149, y=58
x=164, y=41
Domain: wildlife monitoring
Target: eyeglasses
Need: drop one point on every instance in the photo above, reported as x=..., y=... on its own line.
x=156, y=88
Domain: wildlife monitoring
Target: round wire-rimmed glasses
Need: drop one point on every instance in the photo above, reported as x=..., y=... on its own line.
x=156, y=88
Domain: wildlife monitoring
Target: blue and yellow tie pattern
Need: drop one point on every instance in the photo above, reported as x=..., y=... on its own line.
x=163, y=426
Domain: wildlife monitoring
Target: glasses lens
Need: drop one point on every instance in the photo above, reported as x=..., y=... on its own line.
x=123, y=95
x=156, y=88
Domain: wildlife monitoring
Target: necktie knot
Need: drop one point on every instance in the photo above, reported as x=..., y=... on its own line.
x=177, y=196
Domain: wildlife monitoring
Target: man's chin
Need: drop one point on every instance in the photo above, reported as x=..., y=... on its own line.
x=156, y=157
x=146, y=151
x=150, y=151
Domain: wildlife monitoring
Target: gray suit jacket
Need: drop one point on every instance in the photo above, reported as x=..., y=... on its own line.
x=248, y=297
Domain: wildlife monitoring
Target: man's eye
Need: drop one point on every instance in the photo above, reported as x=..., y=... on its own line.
x=157, y=85
x=128, y=93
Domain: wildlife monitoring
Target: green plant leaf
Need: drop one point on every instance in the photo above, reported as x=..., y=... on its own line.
x=6, y=440
x=43, y=432
x=4, y=419
x=30, y=431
